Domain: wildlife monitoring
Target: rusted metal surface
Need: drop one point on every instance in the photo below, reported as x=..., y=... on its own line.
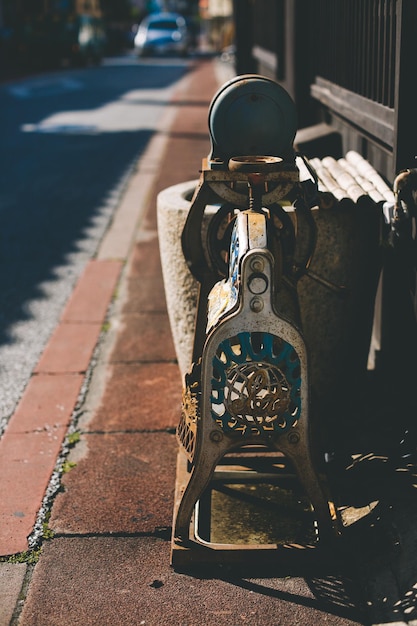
x=249, y=385
x=336, y=326
x=287, y=268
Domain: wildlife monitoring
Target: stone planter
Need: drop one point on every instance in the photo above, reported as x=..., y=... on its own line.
x=337, y=326
x=181, y=288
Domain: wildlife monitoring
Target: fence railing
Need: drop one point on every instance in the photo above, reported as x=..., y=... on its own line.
x=355, y=58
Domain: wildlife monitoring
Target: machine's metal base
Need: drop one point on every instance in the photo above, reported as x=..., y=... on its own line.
x=254, y=512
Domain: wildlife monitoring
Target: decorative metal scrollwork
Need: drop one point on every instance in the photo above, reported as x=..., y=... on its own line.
x=187, y=427
x=256, y=385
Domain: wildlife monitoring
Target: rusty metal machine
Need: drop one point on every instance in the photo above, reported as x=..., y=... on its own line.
x=246, y=401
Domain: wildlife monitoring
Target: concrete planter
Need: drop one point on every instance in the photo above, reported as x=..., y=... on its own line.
x=337, y=327
x=181, y=288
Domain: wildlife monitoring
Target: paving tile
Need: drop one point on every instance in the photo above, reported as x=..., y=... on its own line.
x=92, y=294
x=124, y=483
x=146, y=294
x=70, y=348
x=150, y=225
x=139, y=397
x=119, y=237
x=11, y=580
x=125, y=581
x=144, y=337
x=145, y=259
x=26, y=464
x=48, y=401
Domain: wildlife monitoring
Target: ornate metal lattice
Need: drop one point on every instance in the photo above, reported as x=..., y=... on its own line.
x=187, y=427
x=256, y=385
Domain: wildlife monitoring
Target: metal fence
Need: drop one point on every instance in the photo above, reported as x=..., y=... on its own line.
x=350, y=61
x=351, y=43
x=360, y=47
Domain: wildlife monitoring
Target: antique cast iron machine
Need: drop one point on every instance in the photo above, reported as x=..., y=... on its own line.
x=246, y=400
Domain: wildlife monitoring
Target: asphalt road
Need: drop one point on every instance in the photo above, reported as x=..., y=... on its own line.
x=69, y=141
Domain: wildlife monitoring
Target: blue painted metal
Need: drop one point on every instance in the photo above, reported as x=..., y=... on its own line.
x=251, y=115
x=254, y=389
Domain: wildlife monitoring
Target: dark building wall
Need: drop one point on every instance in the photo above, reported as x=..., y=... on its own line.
x=344, y=62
